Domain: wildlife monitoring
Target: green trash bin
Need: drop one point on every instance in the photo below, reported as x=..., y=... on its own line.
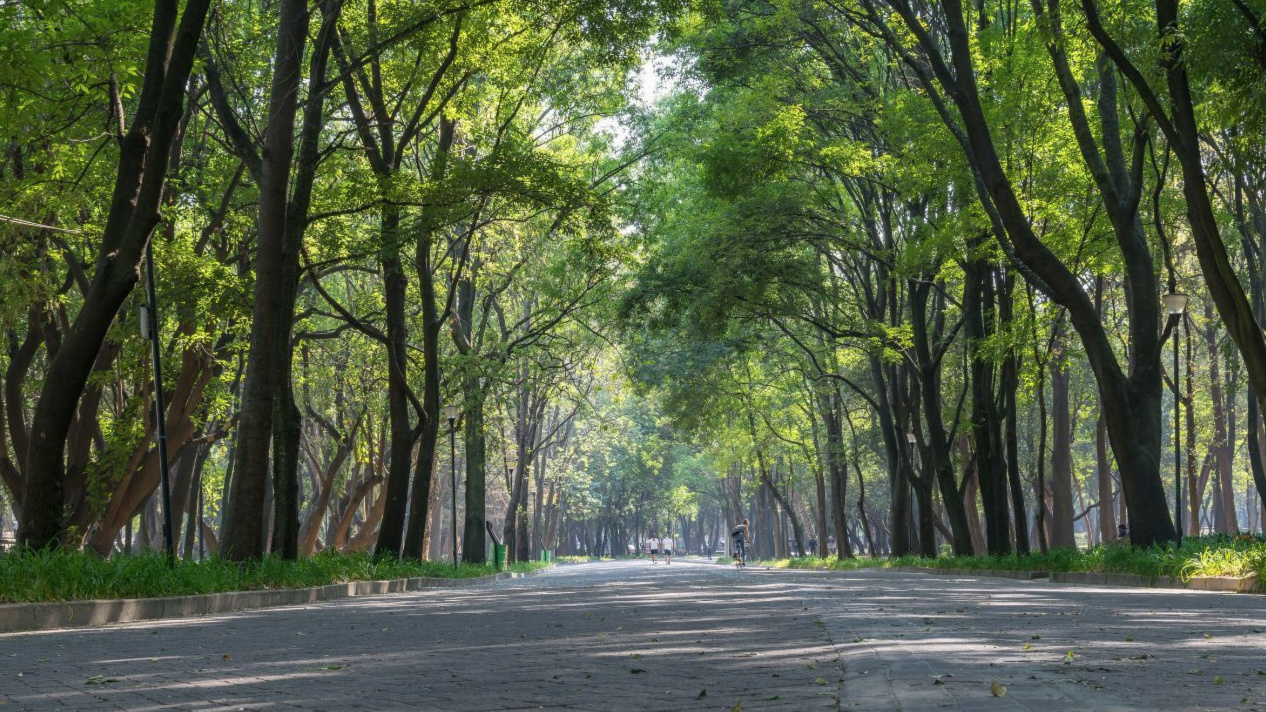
x=499, y=557
x=546, y=556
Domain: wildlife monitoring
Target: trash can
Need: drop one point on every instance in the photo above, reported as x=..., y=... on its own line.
x=499, y=557
x=546, y=556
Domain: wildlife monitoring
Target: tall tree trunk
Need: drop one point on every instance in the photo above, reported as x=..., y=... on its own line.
x=832, y=410
x=244, y=521
x=986, y=427
x=941, y=467
x=432, y=323
x=1061, y=525
x=474, y=537
x=1224, y=509
x=1195, y=484
x=1131, y=403
x=139, y=186
x=1011, y=384
x=403, y=435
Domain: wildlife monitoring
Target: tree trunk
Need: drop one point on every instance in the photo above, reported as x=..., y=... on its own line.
x=134, y=213
x=1010, y=384
x=986, y=427
x=1224, y=515
x=1061, y=525
x=400, y=462
x=244, y=521
x=941, y=467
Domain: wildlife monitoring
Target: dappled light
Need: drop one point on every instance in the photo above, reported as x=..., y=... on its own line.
x=633, y=354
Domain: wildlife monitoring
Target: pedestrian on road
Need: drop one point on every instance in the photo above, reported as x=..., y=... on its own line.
x=666, y=548
x=813, y=544
x=653, y=543
x=740, y=536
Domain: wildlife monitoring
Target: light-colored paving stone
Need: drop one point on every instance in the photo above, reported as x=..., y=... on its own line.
x=690, y=636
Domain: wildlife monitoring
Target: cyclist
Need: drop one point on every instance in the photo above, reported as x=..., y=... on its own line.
x=740, y=536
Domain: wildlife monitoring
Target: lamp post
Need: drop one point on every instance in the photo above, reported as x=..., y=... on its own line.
x=914, y=456
x=524, y=521
x=1175, y=305
x=149, y=330
x=450, y=413
x=512, y=464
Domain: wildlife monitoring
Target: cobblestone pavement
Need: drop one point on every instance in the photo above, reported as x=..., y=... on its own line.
x=690, y=636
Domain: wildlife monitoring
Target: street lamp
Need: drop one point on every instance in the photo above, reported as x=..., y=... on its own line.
x=523, y=523
x=512, y=464
x=149, y=330
x=914, y=465
x=450, y=413
x=1175, y=305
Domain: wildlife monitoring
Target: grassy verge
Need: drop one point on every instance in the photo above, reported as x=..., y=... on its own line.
x=69, y=576
x=581, y=559
x=1215, y=555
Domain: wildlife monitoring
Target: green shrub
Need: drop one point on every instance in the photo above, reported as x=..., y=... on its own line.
x=1213, y=555
x=70, y=575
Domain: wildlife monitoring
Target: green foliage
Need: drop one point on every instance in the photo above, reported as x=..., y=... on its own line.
x=70, y=576
x=1215, y=555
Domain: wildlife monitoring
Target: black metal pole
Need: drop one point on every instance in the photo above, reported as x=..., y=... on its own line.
x=452, y=466
x=1177, y=441
x=159, y=410
x=202, y=553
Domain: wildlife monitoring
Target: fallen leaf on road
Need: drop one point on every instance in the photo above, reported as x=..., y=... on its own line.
x=226, y=656
x=702, y=694
x=100, y=680
x=998, y=689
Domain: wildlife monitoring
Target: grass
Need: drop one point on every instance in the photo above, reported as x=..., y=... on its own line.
x=70, y=576
x=581, y=559
x=1215, y=555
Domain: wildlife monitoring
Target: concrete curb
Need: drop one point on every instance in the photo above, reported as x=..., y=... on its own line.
x=31, y=617
x=1224, y=584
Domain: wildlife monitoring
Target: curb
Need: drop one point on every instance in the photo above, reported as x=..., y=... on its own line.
x=33, y=617
x=1224, y=584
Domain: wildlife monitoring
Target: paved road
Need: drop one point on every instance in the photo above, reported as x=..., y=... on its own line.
x=690, y=636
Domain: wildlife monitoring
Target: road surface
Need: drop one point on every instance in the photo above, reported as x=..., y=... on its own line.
x=690, y=636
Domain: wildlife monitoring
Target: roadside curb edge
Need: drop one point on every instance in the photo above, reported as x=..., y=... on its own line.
x=57, y=615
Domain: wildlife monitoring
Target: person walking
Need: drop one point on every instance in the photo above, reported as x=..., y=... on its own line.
x=740, y=535
x=666, y=548
x=653, y=543
x=813, y=544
